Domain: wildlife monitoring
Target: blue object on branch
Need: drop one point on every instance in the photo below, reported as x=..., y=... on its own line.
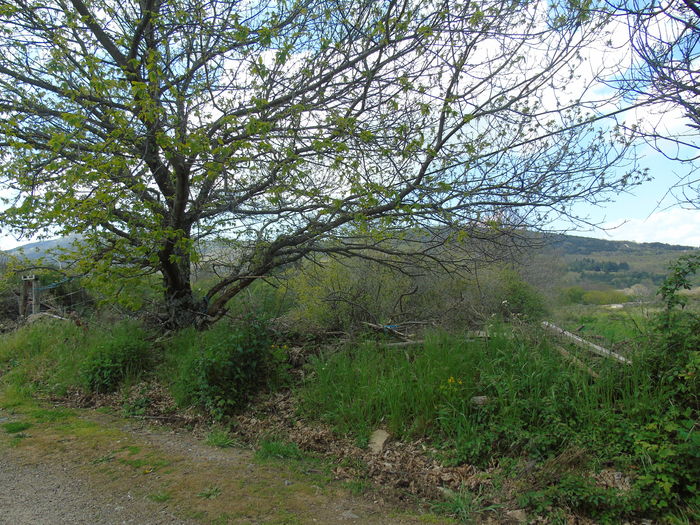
x=58, y=283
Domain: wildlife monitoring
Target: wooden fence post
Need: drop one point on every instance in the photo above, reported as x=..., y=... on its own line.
x=23, y=299
x=36, y=297
x=29, y=281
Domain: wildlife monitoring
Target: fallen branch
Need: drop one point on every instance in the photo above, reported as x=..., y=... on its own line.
x=592, y=347
x=387, y=330
x=31, y=318
x=404, y=343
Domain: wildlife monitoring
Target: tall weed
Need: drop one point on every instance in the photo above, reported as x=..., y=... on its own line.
x=123, y=353
x=218, y=370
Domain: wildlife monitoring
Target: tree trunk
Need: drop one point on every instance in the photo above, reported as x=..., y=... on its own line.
x=183, y=310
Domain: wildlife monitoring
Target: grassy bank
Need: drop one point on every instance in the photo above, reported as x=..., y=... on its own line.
x=513, y=401
x=555, y=439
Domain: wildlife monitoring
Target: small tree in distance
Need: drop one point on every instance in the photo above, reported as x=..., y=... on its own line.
x=277, y=130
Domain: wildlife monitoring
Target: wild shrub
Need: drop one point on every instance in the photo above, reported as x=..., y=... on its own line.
x=123, y=353
x=342, y=294
x=218, y=370
x=577, y=295
x=668, y=444
x=518, y=297
x=573, y=295
x=261, y=300
x=604, y=297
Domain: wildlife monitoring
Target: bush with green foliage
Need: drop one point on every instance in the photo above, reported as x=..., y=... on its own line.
x=263, y=299
x=518, y=297
x=578, y=295
x=124, y=353
x=341, y=294
x=604, y=297
x=219, y=369
x=573, y=295
x=679, y=278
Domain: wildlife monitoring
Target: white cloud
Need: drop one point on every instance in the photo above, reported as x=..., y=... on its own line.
x=673, y=226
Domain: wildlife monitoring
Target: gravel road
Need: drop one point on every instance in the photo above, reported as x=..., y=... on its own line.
x=36, y=495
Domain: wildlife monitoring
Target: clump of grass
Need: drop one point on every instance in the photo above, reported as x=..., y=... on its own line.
x=124, y=354
x=210, y=493
x=220, y=437
x=218, y=370
x=160, y=497
x=464, y=505
x=103, y=459
x=276, y=449
x=14, y=427
x=49, y=415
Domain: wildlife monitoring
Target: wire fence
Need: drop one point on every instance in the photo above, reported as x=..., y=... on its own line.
x=51, y=298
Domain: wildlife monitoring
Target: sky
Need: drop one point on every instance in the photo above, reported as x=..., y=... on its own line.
x=649, y=212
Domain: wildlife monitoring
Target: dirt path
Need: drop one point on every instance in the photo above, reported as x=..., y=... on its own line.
x=75, y=467
x=46, y=495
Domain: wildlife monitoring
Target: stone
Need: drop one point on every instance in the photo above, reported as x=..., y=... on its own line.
x=377, y=440
x=479, y=400
x=518, y=515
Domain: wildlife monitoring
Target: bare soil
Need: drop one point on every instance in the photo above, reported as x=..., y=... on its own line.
x=48, y=494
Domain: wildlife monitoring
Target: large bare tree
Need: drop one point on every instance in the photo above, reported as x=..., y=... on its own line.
x=663, y=71
x=280, y=129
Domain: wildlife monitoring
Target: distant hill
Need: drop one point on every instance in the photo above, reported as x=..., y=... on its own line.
x=574, y=245
x=587, y=261
x=598, y=263
x=39, y=249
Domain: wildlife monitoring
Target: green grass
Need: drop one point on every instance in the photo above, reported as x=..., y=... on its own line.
x=465, y=505
x=218, y=370
x=210, y=493
x=51, y=415
x=640, y=419
x=538, y=408
x=160, y=497
x=15, y=427
x=427, y=391
x=220, y=437
x=276, y=449
x=53, y=357
x=107, y=458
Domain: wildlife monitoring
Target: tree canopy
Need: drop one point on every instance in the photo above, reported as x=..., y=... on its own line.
x=276, y=130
